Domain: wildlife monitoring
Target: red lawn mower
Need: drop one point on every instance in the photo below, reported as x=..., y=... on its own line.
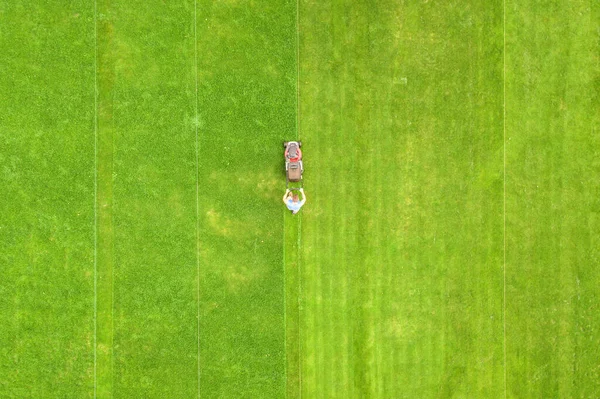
x=293, y=161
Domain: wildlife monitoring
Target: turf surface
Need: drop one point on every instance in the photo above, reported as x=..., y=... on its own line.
x=47, y=199
x=401, y=258
x=552, y=200
x=147, y=266
x=246, y=108
x=448, y=248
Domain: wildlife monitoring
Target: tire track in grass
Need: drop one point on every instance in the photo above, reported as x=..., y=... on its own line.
x=377, y=266
x=342, y=334
x=330, y=307
x=395, y=253
x=350, y=250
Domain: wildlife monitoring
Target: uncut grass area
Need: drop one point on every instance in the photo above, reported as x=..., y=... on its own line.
x=449, y=247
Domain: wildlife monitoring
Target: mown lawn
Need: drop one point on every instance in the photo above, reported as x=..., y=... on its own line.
x=552, y=199
x=401, y=252
x=449, y=246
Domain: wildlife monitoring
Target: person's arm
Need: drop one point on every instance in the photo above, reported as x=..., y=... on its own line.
x=287, y=191
x=303, y=197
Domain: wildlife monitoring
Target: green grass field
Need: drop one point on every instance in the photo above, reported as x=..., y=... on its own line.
x=449, y=247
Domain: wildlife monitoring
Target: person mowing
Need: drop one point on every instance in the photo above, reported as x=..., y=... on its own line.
x=292, y=200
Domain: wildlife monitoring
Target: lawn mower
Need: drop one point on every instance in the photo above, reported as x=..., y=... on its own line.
x=293, y=161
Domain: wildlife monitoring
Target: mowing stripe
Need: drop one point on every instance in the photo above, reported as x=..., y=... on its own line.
x=552, y=206
x=291, y=260
x=291, y=279
x=95, y=188
x=196, y=122
x=285, y=335
x=298, y=300
x=246, y=84
x=504, y=190
x=298, y=263
x=155, y=312
x=104, y=258
x=297, y=69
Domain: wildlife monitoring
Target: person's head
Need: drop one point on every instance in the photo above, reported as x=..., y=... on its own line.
x=295, y=198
